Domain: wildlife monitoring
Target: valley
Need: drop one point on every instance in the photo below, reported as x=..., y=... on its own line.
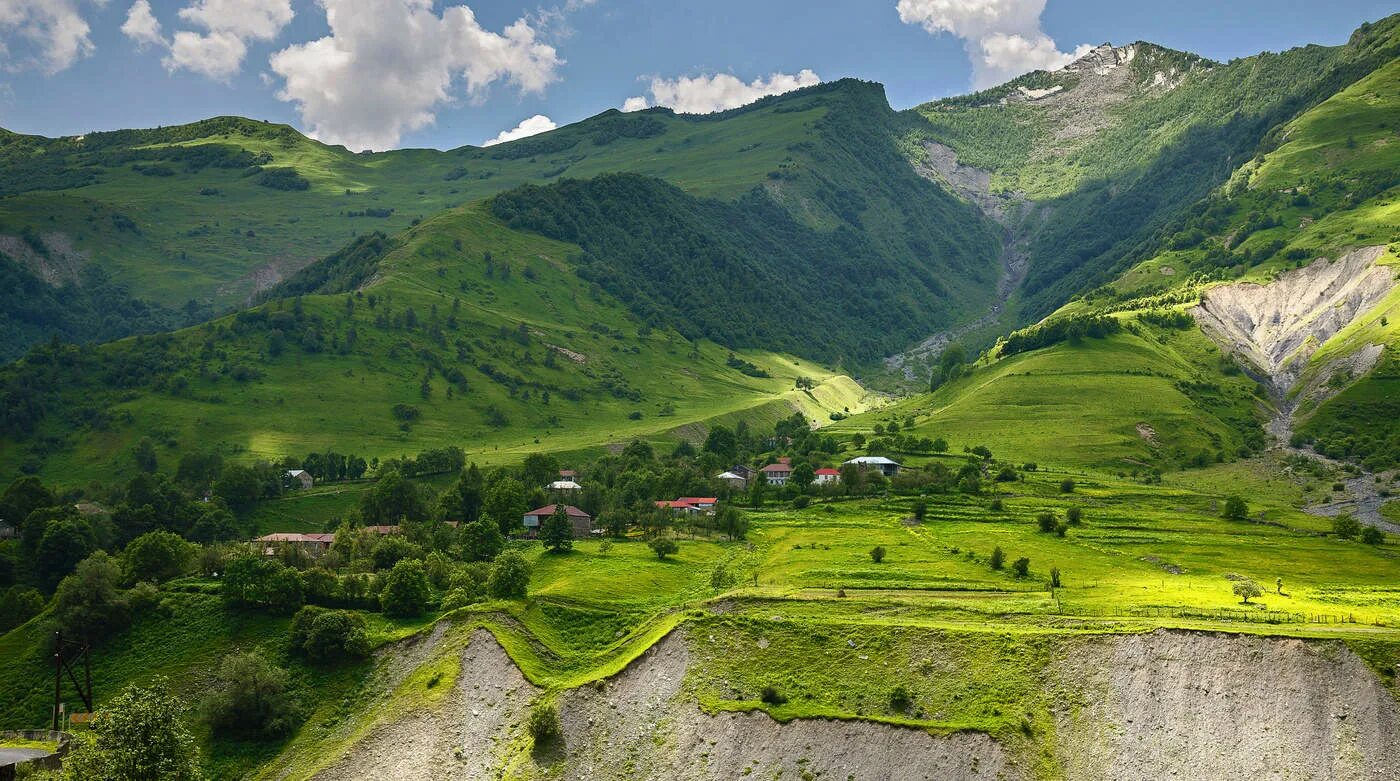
x=1045, y=433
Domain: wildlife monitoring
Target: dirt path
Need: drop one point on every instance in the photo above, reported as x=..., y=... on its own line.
x=974, y=184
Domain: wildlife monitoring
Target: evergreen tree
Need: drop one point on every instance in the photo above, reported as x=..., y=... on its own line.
x=556, y=532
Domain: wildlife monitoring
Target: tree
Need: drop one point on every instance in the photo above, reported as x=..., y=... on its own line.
x=239, y=487
x=920, y=510
x=156, y=557
x=722, y=442
x=556, y=532
x=510, y=576
x=139, y=736
x=144, y=454
x=1046, y=521
x=406, y=592
x=1074, y=516
x=998, y=559
x=88, y=604
x=1021, y=566
x=481, y=541
x=877, y=554
x=1372, y=536
x=326, y=635
x=215, y=524
x=539, y=469
x=802, y=475
x=1346, y=527
x=391, y=549
x=23, y=497
x=1067, y=486
x=505, y=503
x=462, y=501
x=758, y=488
x=65, y=543
x=663, y=547
x=392, y=498
x=18, y=604
x=1235, y=509
x=250, y=698
x=732, y=523
x=1245, y=589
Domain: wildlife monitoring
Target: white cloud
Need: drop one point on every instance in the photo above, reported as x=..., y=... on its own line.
x=55, y=30
x=706, y=94
x=535, y=125
x=219, y=51
x=389, y=64
x=141, y=25
x=1003, y=38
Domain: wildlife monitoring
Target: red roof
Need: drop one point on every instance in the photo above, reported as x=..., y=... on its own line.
x=567, y=473
x=697, y=500
x=777, y=468
x=828, y=471
x=569, y=510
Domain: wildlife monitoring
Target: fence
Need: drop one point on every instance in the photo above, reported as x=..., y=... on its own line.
x=1220, y=614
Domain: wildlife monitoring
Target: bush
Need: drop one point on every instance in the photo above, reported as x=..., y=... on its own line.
x=998, y=559
x=18, y=604
x=995, y=506
x=283, y=179
x=771, y=696
x=156, y=557
x=1074, y=516
x=1235, y=508
x=543, y=724
x=1067, y=486
x=877, y=554
x=1346, y=527
x=900, y=700
x=510, y=576
x=1372, y=536
x=482, y=541
x=336, y=634
x=801, y=502
x=663, y=547
x=1022, y=567
x=139, y=735
x=406, y=592
x=391, y=549
x=1046, y=521
x=250, y=698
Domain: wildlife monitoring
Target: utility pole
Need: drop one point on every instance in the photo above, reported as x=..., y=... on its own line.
x=60, y=665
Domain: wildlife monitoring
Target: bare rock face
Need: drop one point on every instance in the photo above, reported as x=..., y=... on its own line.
x=1212, y=706
x=1277, y=327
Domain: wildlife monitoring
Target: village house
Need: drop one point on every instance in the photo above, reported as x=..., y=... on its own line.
x=732, y=479
x=678, y=507
x=778, y=474
x=580, y=520
x=886, y=467
x=826, y=476
x=565, y=485
x=315, y=544
x=300, y=478
x=690, y=505
x=742, y=471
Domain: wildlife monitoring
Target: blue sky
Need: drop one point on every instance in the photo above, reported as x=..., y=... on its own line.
x=386, y=73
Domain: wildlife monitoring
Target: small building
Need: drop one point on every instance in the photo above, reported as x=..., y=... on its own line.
x=382, y=530
x=702, y=502
x=679, y=507
x=777, y=474
x=580, y=520
x=300, y=478
x=886, y=466
x=315, y=544
x=826, y=476
x=565, y=485
x=743, y=471
x=8, y=532
x=732, y=479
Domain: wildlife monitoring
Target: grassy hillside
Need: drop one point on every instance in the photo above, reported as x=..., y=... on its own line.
x=217, y=211
x=469, y=334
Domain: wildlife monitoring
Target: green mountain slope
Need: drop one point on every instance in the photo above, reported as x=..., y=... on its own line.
x=217, y=211
x=1111, y=148
x=466, y=334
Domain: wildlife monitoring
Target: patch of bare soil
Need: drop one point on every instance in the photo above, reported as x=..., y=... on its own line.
x=464, y=737
x=59, y=262
x=638, y=725
x=1212, y=706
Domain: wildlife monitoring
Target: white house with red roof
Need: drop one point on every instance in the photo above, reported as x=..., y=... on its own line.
x=778, y=474
x=827, y=475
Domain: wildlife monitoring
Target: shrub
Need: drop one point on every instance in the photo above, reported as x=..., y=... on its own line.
x=18, y=604
x=801, y=502
x=1021, y=566
x=544, y=724
x=995, y=506
x=336, y=634
x=998, y=559
x=1372, y=536
x=1074, y=516
x=1046, y=521
x=663, y=547
x=877, y=554
x=1067, y=486
x=1236, y=509
x=283, y=179
x=900, y=700
x=510, y=576
x=406, y=592
x=250, y=698
x=1007, y=475
x=771, y=696
x=482, y=541
x=1054, y=577
x=391, y=549
x=157, y=556
x=1346, y=527
x=920, y=510
x=141, y=734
